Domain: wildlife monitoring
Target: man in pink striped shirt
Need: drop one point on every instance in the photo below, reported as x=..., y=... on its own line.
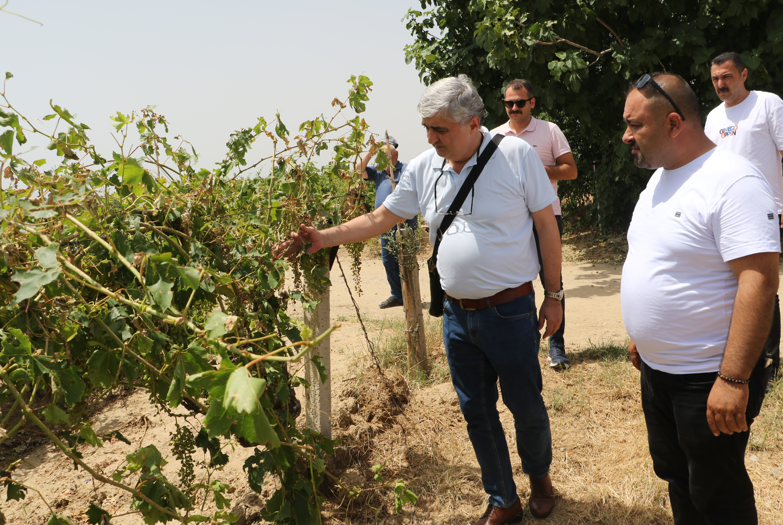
x=552, y=148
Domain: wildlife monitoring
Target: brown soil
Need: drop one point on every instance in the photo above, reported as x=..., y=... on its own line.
x=601, y=469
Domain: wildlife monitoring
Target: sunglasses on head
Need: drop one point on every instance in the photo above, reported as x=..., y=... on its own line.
x=518, y=103
x=647, y=79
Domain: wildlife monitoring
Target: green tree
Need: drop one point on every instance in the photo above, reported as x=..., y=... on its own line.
x=581, y=56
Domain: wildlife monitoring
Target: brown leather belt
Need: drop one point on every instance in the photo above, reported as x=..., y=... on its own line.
x=506, y=296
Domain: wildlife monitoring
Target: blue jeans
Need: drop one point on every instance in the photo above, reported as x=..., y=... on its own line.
x=556, y=340
x=390, y=262
x=483, y=346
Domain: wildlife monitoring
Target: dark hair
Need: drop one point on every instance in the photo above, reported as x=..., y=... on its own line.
x=520, y=83
x=730, y=56
x=678, y=89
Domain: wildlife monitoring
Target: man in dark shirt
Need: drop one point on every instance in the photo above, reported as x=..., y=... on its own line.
x=385, y=182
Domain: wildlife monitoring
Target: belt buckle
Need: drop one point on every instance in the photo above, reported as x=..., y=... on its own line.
x=465, y=307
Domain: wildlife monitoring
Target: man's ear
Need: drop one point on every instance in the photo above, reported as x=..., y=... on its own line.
x=532, y=102
x=675, y=124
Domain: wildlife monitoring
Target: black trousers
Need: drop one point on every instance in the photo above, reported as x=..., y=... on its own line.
x=708, y=482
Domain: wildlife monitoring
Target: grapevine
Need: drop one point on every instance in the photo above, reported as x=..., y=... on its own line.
x=138, y=269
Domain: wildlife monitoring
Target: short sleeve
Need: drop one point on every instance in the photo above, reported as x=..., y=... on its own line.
x=404, y=200
x=775, y=112
x=537, y=189
x=745, y=220
x=373, y=174
x=559, y=142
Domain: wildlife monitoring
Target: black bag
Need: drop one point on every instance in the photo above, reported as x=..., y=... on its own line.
x=436, y=292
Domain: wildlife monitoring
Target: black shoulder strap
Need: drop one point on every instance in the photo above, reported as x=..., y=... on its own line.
x=462, y=194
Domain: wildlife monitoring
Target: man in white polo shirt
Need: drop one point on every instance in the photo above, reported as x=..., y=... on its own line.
x=487, y=260
x=697, y=291
x=552, y=148
x=750, y=123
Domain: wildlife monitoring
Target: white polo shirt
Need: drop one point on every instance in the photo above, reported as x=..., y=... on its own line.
x=489, y=247
x=677, y=289
x=753, y=129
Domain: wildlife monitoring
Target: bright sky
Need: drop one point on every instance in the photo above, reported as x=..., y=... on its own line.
x=210, y=67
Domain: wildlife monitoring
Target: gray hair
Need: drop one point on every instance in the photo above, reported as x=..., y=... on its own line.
x=452, y=98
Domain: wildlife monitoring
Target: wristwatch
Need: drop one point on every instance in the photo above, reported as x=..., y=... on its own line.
x=555, y=295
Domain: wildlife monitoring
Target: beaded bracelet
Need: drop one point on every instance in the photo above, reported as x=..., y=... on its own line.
x=732, y=380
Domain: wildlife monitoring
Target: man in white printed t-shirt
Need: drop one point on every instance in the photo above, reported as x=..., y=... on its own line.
x=697, y=291
x=552, y=148
x=487, y=260
x=750, y=123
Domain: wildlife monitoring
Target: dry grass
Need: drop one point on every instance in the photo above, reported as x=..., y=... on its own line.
x=602, y=469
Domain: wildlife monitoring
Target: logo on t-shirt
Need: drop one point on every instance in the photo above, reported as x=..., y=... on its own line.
x=770, y=216
x=729, y=131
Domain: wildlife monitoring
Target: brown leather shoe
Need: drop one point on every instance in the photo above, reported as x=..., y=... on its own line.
x=498, y=515
x=542, y=497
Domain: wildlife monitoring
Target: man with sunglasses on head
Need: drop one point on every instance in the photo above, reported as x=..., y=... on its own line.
x=552, y=148
x=386, y=181
x=487, y=260
x=750, y=123
x=697, y=293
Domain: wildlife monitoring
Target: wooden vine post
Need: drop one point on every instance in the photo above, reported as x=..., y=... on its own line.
x=411, y=296
x=318, y=401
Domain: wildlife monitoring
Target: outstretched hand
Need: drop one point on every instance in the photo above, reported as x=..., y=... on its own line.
x=306, y=236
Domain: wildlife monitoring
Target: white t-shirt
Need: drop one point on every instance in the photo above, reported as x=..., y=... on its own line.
x=677, y=289
x=753, y=129
x=489, y=247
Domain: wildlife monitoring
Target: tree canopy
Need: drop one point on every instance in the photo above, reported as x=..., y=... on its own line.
x=581, y=56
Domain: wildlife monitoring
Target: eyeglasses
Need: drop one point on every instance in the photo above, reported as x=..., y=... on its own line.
x=647, y=79
x=518, y=103
x=458, y=212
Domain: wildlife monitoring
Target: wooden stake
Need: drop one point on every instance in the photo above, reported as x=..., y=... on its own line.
x=318, y=401
x=411, y=295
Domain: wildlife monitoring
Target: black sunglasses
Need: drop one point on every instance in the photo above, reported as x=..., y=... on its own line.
x=518, y=103
x=647, y=79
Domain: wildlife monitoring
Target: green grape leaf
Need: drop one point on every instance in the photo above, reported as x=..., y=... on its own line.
x=71, y=384
x=215, y=324
x=103, y=367
x=243, y=391
x=59, y=519
x=88, y=435
x=7, y=142
x=47, y=256
x=95, y=515
x=190, y=276
x=55, y=415
x=162, y=294
x=256, y=429
x=32, y=281
x=116, y=434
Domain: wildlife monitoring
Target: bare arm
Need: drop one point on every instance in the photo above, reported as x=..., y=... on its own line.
x=757, y=283
x=564, y=169
x=356, y=230
x=549, y=242
x=364, y=160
